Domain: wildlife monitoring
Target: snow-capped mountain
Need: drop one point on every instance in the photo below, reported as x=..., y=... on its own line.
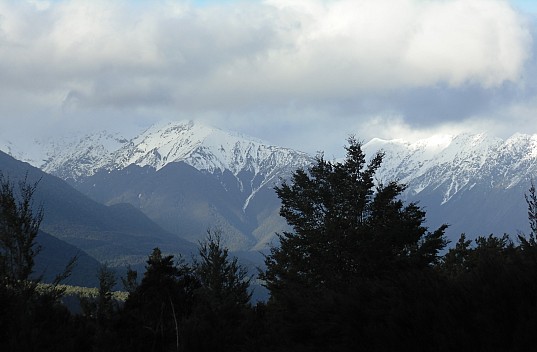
x=474, y=182
x=188, y=177
x=205, y=148
x=185, y=176
x=212, y=151
x=77, y=157
x=436, y=161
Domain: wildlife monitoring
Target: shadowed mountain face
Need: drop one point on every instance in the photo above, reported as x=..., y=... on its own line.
x=186, y=201
x=186, y=177
x=118, y=235
x=55, y=254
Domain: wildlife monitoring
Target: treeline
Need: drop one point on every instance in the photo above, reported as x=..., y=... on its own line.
x=358, y=272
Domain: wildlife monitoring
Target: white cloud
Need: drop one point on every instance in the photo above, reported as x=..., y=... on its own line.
x=480, y=41
x=309, y=60
x=228, y=54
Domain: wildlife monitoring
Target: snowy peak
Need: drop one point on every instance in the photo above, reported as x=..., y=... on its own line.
x=253, y=164
x=70, y=156
x=203, y=147
x=76, y=157
x=453, y=164
x=8, y=148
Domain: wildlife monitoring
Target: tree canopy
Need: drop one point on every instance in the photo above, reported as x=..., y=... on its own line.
x=19, y=226
x=347, y=226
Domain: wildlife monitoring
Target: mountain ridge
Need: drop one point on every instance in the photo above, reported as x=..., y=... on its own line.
x=474, y=182
x=186, y=176
x=235, y=175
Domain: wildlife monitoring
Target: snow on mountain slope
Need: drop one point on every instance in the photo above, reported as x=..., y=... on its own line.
x=404, y=160
x=210, y=150
x=71, y=156
x=254, y=163
x=205, y=148
x=443, y=162
x=474, y=182
x=467, y=180
x=77, y=157
x=7, y=147
x=451, y=164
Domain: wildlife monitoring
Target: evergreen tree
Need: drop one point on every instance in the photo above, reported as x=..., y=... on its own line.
x=102, y=307
x=531, y=200
x=457, y=260
x=30, y=319
x=154, y=312
x=222, y=304
x=528, y=244
x=130, y=283
x=346, y=228
x=223, y=280
x=355, y=246
x=19, y=226
x=101, y=311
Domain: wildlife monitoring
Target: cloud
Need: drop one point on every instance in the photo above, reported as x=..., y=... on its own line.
x=277, y=62
x=305, y=48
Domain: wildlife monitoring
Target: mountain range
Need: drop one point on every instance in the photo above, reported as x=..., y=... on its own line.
x=473, y=182
x=115, y=198
x=186, y=177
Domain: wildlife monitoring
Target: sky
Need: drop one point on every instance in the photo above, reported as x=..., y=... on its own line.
x=304, y=74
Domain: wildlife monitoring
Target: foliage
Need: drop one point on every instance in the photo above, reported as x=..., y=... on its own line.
x=346, y=229
x=156, y=307
x=30, y=318
x=529, y=245
x=101, y=307
x=354, y=242
x=19, y=226
x=81, y=292
x=130, y=283
x=223, y=280
x=222, y=300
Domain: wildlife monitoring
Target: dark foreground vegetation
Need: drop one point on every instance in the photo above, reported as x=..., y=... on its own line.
x=359, y=272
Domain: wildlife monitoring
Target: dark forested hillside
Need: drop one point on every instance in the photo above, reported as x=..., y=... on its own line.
x=55, y=255
x=118, y=234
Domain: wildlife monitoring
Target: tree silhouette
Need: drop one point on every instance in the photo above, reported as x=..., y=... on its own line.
x=158, y=305
x=346, y=227
x=354, y=245
x=19, y=226
x=30, y=319
x=222, y=304
x=223, y=280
